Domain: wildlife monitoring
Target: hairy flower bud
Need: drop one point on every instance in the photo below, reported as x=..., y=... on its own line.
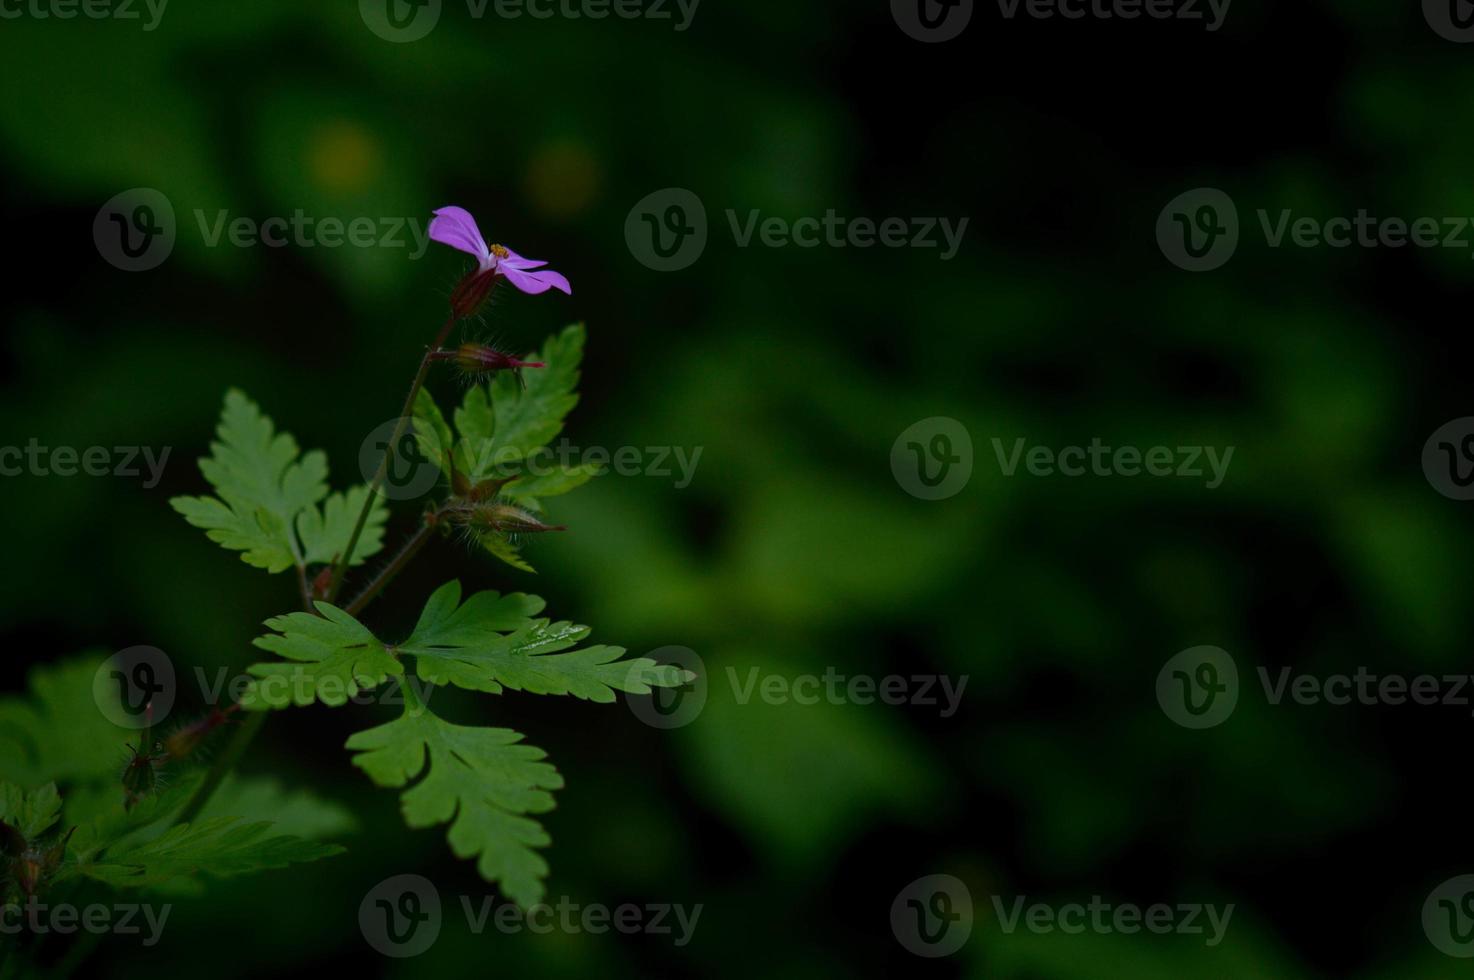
x=502, y=518
x=35, y=864
x=476, y=359
x=140, y=776
x=183, y=742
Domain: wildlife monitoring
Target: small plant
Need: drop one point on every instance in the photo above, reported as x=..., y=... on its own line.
x=127, y=821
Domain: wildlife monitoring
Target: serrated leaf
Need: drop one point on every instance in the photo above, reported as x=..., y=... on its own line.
x=59, y=732
x=479, y=780
x=335, y=657
x=221, y=847
x=503, y=422
x=554, y=483
x=324, y=534
x=492, y=642
x=298, y=812
x=33, y=813
x=432, y=432
x=499, y=546
x=261, y=486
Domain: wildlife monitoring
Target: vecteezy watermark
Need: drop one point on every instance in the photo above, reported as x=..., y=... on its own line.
x=1156, y=461
x=136, y=230
x=932, y=459
x=832, y=687
x=1199, y=688
x=149, y=12
x=1452, y=20
x=34, y=459
x=932, y=21
x=135, y=688
x=1199, y=230
x=138, y=687
x=667, y=231
x=411, y=470
x=402, y=916
x=673, y=707
x=1448, y=917
x=120, y=919
x=1105, y=918
x=302, y=230
x=401, y=21
x=1210, y=12
x=1448, y=459
x=932, y=916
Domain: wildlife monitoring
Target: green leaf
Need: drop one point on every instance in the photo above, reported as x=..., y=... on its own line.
x=528, y=489
x=298, y=812
x=479, y=780
x=261, y=486
x=335, y=658
x=492, y=642
x=31, y=813
x=222, y=847
x=266, y=495
x=325, y=533
x=432, y=432
x=488, y=643
x=499, y=546
x=59, y=732
x=503, y=422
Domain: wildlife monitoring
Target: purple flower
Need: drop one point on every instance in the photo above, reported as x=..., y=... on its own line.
x=455, y=227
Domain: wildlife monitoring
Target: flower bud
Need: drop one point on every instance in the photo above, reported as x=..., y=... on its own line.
x=36, y=864
x=502, y=518
x=183, y=742
x=477, y=359
x=140, y=776
x=472, y=292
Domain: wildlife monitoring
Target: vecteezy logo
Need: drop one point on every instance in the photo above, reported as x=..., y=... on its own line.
x=932, y=21
x=1199, y=688
x=400, y=916
x=135, y=230
x=408, y=453
x=134, y=688
x=1199, y=230
x=1452, y=20
x=932, y=459
x=672, y=707
x=1448, y=459
x=666, y=230
x=932, y=916
x=1448, y=917
x=400, y=21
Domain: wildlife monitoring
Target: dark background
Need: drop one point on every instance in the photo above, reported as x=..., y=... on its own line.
x=794, y=549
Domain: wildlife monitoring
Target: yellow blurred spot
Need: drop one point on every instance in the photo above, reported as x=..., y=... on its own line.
x=343, y=157
x=562, y=179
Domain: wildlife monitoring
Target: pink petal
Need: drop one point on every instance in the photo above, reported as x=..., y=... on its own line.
x=533, y=283
x=518, y=262
x=455, y=227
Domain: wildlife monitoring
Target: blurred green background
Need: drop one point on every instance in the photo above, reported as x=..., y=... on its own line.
x=794, y=549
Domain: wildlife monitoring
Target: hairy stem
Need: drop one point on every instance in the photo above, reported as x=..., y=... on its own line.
x=304, y=588
x=405, y=413
x=223, y=764
x=386, y=575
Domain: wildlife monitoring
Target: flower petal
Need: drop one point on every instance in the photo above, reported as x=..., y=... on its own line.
x=518, y=262
x=455, y=227
x=533, y=283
